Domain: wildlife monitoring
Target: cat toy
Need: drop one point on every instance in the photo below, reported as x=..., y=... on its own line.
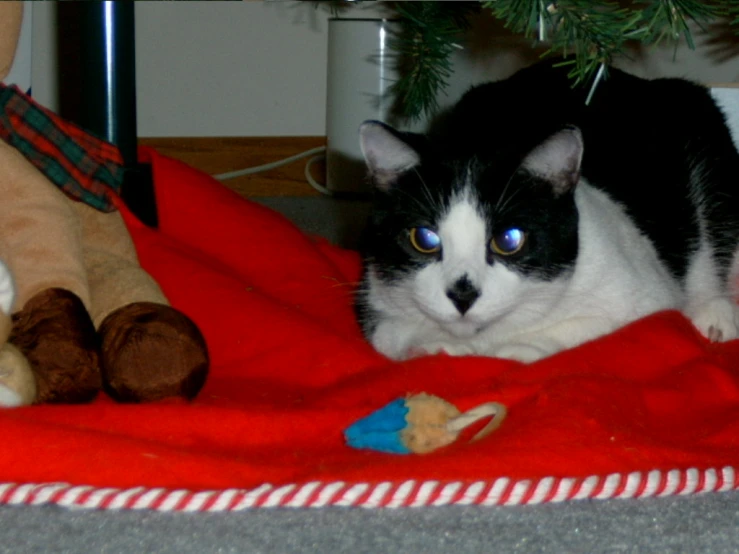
x=419, y=424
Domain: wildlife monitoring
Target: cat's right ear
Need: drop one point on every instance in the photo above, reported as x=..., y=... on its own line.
x=387, y=155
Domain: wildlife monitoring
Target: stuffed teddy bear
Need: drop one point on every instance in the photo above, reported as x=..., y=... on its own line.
x=77, y=312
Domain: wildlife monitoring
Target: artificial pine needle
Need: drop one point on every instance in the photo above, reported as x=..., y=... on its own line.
x=591, y=33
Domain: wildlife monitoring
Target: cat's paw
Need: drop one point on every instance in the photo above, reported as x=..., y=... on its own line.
x=449, y=349
x=717, y=319
x=521, y=352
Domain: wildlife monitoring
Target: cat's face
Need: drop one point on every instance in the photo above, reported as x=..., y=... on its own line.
x=465, y=242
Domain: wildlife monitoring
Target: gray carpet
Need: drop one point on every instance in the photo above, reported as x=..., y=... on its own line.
x=696, y=524
x=339, y=220
x=692, y=525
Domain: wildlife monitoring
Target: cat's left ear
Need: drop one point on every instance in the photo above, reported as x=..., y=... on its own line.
x=387, y=155
x=558, y=159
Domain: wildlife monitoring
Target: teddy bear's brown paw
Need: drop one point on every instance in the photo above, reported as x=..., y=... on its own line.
x=151, y=351
x=56, y=335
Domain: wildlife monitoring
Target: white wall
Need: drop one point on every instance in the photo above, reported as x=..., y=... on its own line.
x=20, y=71
x=213, y=68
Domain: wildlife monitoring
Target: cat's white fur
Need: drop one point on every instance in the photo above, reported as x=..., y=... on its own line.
x=617, y=279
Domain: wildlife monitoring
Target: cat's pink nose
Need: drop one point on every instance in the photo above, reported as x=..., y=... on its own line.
x=463, y=294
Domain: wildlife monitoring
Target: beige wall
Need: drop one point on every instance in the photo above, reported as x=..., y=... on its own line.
x=259, y=68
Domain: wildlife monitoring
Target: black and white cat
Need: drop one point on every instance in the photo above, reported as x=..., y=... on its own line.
x=529, y=223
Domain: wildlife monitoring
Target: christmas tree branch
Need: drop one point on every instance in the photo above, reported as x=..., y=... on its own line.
x=593, y=37
x=590, y=33
x=668, y=19
x=596, y=32
x=423, y=48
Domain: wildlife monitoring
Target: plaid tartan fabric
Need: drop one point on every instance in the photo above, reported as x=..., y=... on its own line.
x=85, y=167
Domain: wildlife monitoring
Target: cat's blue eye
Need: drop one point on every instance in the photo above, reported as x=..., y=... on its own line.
x=425, y=240
x=508, y=242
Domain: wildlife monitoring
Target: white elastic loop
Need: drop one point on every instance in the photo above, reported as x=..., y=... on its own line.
x=470, y=417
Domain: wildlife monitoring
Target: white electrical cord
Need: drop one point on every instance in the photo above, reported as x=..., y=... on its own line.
x=320, y=154
x=273, y=165
x=311, y=181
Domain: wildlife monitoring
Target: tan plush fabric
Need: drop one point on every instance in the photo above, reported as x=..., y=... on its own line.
x=40, y=235
x=50, y=241
x=11, y=16
x=114, y=275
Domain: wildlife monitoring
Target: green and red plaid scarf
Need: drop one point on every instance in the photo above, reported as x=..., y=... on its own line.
x=85, y=167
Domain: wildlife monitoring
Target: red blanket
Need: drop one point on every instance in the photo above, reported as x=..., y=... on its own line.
x=650, y=409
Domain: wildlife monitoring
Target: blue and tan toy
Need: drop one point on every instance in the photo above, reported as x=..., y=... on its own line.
x=419, y=424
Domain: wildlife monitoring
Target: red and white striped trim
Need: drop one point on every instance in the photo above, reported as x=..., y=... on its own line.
x=498, y=492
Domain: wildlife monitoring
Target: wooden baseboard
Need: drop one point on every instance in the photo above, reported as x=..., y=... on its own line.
x=215, y=155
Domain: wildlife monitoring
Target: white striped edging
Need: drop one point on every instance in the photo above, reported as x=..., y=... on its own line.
x=502, y=491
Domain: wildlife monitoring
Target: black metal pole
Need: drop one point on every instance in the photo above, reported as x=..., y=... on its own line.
x=108, y=57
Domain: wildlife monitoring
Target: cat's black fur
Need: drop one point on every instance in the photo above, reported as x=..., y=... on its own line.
x=658, y=147
x=652, y=145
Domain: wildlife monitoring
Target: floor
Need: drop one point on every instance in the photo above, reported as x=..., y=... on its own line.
x=339, y=220
x=702, y=524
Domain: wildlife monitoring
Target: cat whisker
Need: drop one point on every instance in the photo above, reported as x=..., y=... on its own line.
x=502, y=205
x=433, y=202
x=422, y=207
x=503, y=192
